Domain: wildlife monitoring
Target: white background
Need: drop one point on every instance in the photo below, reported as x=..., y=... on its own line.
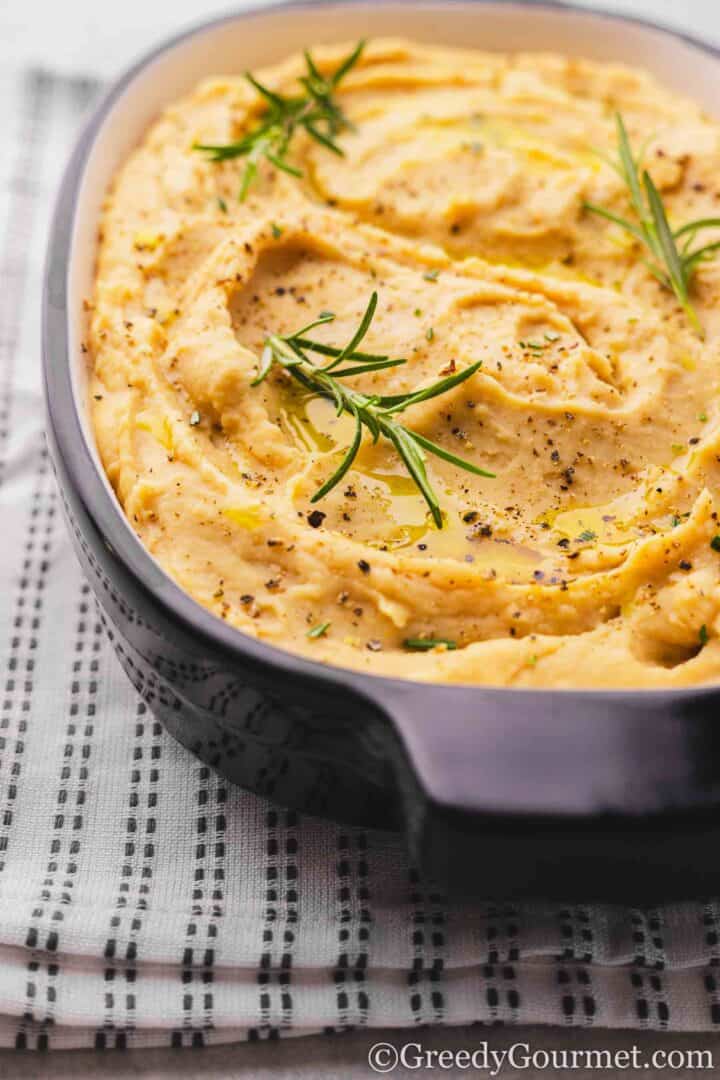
x=100, y=37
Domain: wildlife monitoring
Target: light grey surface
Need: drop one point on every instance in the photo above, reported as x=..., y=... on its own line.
x=82, y=36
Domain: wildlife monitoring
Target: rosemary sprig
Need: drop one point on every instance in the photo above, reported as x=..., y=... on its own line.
x=374, y=412
x=672, y=265
x=426, y=644
x=315, y=111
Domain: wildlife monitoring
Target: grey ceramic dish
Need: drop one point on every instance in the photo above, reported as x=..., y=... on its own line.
x=573, y=794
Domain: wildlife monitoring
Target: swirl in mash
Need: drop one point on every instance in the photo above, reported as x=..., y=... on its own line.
x=589, y=560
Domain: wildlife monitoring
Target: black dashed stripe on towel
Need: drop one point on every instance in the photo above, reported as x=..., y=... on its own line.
x=499, y=972
x=26, y=625
x=574, y=969
x=136, y=880
x=56, y=892
x=353, y=917
x=46, y=104
x=711, y=976
x=194, y=944
x=45, y=101
x=425, y=979
x=22, y=211
x=289, y=920
x=215, y=854
x=279, y=925
x=208, y=901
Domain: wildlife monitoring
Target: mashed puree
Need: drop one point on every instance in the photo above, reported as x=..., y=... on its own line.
x=590, y=559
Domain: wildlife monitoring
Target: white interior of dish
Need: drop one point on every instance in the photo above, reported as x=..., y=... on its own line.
x=253, y=39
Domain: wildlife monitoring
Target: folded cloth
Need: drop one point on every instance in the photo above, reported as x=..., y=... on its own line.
x=143, y=900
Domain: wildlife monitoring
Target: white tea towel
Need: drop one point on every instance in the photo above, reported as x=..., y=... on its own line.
x=145, y=901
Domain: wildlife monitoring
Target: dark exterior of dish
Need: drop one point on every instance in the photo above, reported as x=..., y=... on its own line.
x=306, y=756
x=563, y=794
x=550, y=790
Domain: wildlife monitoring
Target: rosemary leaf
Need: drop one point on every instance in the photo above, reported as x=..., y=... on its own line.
x=266, y=359
x=426, y=644
x=399, y=402
x=348, y=63
x=329, y=350
x=325, y=140
x=414, y=461
x=667, y=247
x=345, y=464
x=694, y=226
x=313, y=111
x=616, y=220
x=372, y=412
x=441, y=452
x=673, y=268
x=629, y=168
x=270, y=96
x=359, y=369
x=692, y=261
x=358, y=335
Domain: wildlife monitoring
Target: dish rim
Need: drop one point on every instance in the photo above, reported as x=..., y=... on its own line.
x=102, y=506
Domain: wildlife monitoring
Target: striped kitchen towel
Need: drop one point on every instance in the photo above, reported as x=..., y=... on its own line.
x=143, y=900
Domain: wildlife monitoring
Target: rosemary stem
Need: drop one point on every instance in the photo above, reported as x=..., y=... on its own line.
x=372, y=412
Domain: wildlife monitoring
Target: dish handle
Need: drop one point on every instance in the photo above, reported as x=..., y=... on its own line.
x=560, y=794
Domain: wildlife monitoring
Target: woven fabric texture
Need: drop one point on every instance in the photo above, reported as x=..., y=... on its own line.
x=143, y=901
